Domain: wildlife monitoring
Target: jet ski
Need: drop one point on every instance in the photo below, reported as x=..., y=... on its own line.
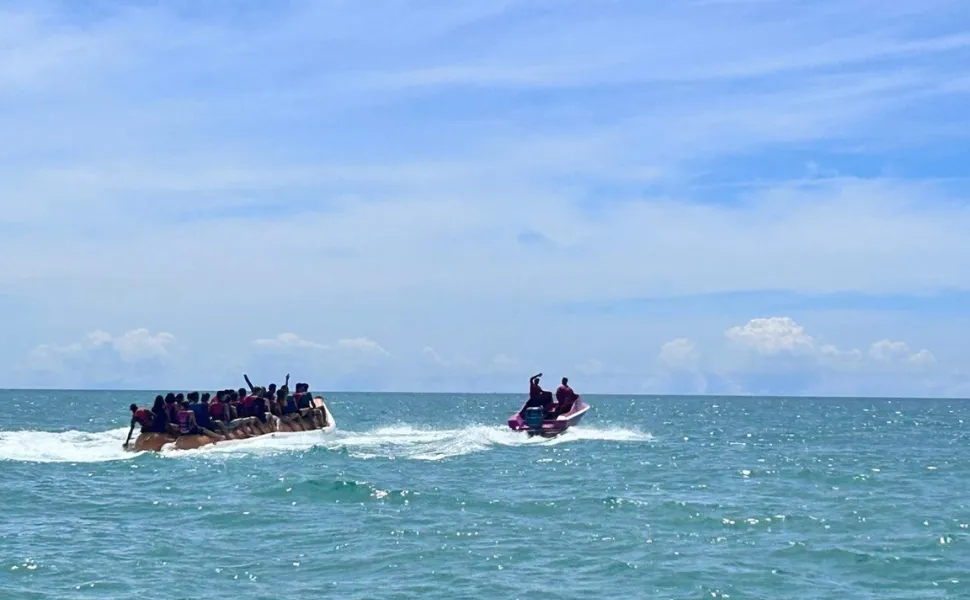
x=534, y=421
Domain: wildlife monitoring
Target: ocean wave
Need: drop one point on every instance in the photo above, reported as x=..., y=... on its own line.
x=390, y=442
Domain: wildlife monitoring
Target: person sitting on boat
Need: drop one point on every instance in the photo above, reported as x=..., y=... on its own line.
x=171, y=410
x=565, y=397
x=200, y=406
x=259, y=409
x=237, y=415
x=139, y=416
x=304, y=400
x=288, y=412
x=162, y=424
x=219, y=413
x=188, y=426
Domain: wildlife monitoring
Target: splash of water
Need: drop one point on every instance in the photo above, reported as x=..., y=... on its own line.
x=392, y=442
x=64, y=447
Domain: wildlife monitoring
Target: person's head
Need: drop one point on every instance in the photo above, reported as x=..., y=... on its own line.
x=133, y=407
x=159, y=404
x=303, y=387
x=205, y=398
x=170, y=398
x=565, y=380
x=281, y=394
x=220, y=395
x=180, y=397
x=272, y=388
x=241, y=392
x=193, y=397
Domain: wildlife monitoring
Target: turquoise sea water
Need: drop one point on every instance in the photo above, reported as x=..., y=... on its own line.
x=430, y=496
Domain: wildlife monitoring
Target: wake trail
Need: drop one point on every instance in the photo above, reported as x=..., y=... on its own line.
x=64, y=446
x=388, y=442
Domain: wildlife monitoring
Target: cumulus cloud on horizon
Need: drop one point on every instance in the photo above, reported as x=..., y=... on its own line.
x=762, y=346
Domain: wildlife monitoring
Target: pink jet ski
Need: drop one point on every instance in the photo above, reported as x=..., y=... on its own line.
x=535, y=421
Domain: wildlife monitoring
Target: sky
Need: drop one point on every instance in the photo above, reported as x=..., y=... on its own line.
x=690, y=197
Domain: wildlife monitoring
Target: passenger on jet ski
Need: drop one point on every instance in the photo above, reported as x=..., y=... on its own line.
x=565, y=398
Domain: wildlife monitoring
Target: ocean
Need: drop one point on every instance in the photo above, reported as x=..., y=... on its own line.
x=430, y=496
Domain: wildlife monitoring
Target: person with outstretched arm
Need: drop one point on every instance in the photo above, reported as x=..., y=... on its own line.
x=535, y=392
x=139, y=416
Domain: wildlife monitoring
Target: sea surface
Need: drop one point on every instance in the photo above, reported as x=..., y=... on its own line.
x=430, y=496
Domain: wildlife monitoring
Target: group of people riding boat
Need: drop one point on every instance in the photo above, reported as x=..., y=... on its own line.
x=259, y=411
x=563, y=402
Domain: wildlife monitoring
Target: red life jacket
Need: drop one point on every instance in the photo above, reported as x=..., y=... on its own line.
x=217, y=410
x=144, y=417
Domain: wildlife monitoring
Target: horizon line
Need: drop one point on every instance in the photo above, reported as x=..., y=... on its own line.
x=593, y=394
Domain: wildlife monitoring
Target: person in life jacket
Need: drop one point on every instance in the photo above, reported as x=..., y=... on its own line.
x=236, y=413
x=139, y=416
x=188, y=426
x=200, y=406
x=255, y=407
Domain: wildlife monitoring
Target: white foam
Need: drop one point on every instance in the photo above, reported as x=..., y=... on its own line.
x=422, y=443
x=392, y=442
x=64, y=447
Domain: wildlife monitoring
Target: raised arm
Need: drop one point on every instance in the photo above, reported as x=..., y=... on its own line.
x=249, y=383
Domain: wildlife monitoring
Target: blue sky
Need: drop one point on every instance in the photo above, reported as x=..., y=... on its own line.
x=717, y=196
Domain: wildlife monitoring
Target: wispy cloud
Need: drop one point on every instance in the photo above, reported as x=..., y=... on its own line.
x=447, y=175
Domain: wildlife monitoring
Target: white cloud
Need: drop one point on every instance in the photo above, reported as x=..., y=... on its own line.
x=134, y=356
x=679, y=352
x=288, y=340
x=888, y=350
x=131, y=346
x=894, y=351
x=923, y=357
x=434, y=356
x=772, y=335
x=777, y=335
x=284, y=341
x=362, y=344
